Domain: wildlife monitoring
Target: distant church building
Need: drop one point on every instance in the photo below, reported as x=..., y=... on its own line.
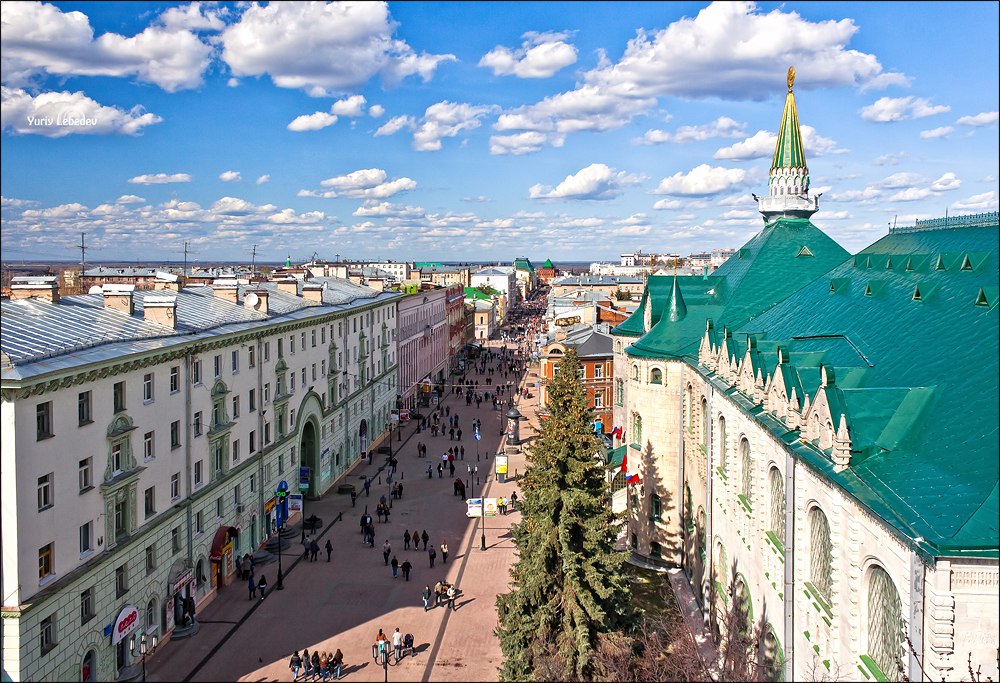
x=826, y=427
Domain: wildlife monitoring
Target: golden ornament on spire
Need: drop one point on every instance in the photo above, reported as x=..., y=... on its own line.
x=791, y=78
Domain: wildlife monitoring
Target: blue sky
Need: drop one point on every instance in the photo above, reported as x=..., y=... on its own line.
x=480, y=131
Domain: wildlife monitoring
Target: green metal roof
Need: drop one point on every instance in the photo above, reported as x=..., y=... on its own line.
x=654, y=295
x=473, y=293
x=615, y=457
x=913, y=349
x=789, y=151
x=548, y=263
x=523, y=264
x=428, y=264
x=783, y=257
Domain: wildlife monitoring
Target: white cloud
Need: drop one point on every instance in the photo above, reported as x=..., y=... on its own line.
x=58, y=114
x=888, y=109
x=761, y=146
x=701, y=180
x=160, y=178
x=540, y=56
x=322, y=48
x=230, y=176
x=935, y=133
x=351, y=106
x=597, y=181
x=364, y=184
x=668, y=204
x=986, y=118
x=978, y=203
x=129, y=199
x=722, y=127
x=316, y=121
x=372, y=207
x=445, y=119
x=949, y=181
x=520, y=143
x=195, y=17
x=263, y=179
x=376, y=111
x=39, y=38
x=394, y=125
x=910, y=194
x=891, y=159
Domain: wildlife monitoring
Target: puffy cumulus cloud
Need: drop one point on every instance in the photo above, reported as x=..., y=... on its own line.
x=394, y=125
x=588, y=108
x=701, y=180
x=195, y=17
x=372, y=207
x=322, y=48
x=986, y=118
x=40, y=39
x=233, y=206
x=899, y=187
x=366, y=183
x=160, y=178
x=540, y=56
x=936, y=133
x=722, y=127
x=376, y=111
x=316, y=121
x=948, y=181
x=668, y=204
x=889, y=109
x=523, y=143
x=230, y=176
x=891, y=159
x=263, y=179
x=445, y=120
x=350, y=106
x=978, y=203
x=910, y=194
x=71, y=210
x=58, y=114
x=597, y=181
x=289, y=217
x=761, y=146
x=129, y=199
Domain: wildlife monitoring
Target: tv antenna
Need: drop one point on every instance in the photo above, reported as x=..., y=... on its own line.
x=185, y=251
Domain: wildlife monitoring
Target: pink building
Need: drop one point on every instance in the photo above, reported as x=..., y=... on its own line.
x=424, y=342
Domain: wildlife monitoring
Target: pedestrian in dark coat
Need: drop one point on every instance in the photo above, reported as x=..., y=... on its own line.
x=354, y=497
x=432, y=555
x=395, y=566
x=386, y=551
x=329, y=549
x=406, y=540
x=406, y=567
x=424, y=537
x=315, y=662
x=252, y=585
x=262, y=586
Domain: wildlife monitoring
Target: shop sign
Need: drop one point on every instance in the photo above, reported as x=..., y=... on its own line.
x=404, y=415
x=270, y=505
x=294, y=503
x=181, y=581
x=489, y=507
x=474, y=507
x=500, y=462
x=127, y=621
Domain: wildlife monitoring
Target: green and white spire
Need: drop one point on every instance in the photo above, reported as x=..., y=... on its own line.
x=788, y=182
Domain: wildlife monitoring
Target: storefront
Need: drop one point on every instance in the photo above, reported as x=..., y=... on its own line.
x=127, y=622
x=222, y=556
x=178, y=611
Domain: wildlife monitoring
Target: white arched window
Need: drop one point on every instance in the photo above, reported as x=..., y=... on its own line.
x=777, y=521
x=704, y=421
x=820, y=554
x=722, y=443
x=656, y=376
x=885, y=623
x=635, y=372
x=747, y=465
x=151, y=620
x=637, y=428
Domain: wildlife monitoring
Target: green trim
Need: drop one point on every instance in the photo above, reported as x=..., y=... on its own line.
x=722, y=472
x=745, y=503
x=873, y=668
x=776, y=545
x=818, y=602
x=721, y=592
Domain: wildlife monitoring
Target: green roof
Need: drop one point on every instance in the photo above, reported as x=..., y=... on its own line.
x=911, y=337
x=782, y=258
x=548, y=263
x=615, y=457
x=473, y=293
x=789, y=151
x=428, y=264
x=523, y=264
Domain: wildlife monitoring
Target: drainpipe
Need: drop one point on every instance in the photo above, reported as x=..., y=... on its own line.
x=789, y=583
x=916, y=620
x=680, y=474
x=261, y=517
x=188, y=419
x=709, y=479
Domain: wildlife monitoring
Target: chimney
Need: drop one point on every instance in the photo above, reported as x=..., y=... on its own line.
x=288, y=286
x=166, y=282
x=256, y=300
x=313, y=293
x=225, y=289
x=46, y=288
x=119, y=298
x=161, y=310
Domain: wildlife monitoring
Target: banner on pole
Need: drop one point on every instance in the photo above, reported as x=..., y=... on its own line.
x=500, y=463
x=475, y=507
x=489, y=507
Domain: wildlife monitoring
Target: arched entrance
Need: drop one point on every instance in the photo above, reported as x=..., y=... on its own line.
x=363, y=437
x=88, y=671
x=309, y=455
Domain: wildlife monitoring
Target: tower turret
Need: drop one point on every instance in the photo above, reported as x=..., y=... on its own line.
x=788, y=181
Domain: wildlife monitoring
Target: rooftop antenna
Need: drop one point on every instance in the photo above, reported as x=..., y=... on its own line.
x=83, y=256
x=253, y=260
x=186, y=251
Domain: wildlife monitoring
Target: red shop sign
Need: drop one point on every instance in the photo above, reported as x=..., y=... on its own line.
x=127, y=621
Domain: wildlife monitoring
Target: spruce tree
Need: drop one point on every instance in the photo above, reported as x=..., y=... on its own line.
x=568, y=584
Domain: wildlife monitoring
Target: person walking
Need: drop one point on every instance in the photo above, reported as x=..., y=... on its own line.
x=451, y=467
x=307, y=663
x=314, y=550
x=368, y=486
x=513, y=500
x=440, y=470
x=395, y=566
x=406, y=540
x=406, y=567
x=295, y=663
x=386, y=551
x=452, y=594
x=459, y=433
x=397, y=644
x=444, y=553
x=262, y=587
x=430, y=471
x=427, y=596
x=354, y=497
x=424, y=537
x=329, y=549
x=315, y=663
x=338, y=661
x=432, y=555
x=252, y=585
x=324, y=665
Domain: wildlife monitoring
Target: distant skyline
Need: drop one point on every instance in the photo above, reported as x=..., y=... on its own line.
x=480, y=131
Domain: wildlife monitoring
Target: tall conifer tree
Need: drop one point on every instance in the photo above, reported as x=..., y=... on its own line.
x=569, y=584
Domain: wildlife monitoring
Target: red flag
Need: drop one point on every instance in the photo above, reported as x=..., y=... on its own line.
x=633, y=479
x=625, y=462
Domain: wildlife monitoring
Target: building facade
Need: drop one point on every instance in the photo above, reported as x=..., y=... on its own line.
x=155, y=428
x=594, y=349
x=424, y=342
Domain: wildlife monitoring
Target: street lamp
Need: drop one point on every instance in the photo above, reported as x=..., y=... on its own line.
x=280, y=493
x=380, y=653
x=474, y=471
x=142, y=647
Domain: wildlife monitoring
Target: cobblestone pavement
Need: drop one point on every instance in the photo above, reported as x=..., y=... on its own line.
x=343, y=603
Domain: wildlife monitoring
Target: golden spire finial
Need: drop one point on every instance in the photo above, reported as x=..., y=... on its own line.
x=791, y=78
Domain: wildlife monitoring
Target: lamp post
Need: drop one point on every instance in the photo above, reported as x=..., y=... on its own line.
x=474, y=472
x=141, y=647
x=380, y=653
x=280, y=493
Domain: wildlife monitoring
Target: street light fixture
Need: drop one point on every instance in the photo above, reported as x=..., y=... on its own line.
x=380, y=653
x=142, y=647
x=474, y=472
x=280, y=494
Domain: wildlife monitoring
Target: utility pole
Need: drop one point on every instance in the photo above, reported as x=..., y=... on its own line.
x=83, y=256
x=253, y=260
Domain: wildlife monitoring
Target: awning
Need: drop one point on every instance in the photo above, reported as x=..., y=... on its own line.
x=221, y=540
x=616, y=456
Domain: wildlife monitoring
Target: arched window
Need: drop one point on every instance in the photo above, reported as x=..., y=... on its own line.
x=771, y=656
x=820, y=554
x=747, y=464
x=619, y=392
x=689, y=404
x=777, y=486
x=635, y=372
x=654, y=551
x=618, y=347
x=637, y=428
x=704, y=421
x=885, y=623
x=701, y=532
x=618, y=483
x=722, y=443
x=656, y=376
x=151, y=620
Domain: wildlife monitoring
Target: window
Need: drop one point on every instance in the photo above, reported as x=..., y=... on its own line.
x=198, y=526
x=885, y=623
x=236, y=450
x=151, y=615
x=121, y=580
x=253, y=483
x=655, y=508
x=150, y=501
x=251, y=357
x=820, y=554
x=619, y=392
x=217, y=366
x=598, y=371
x=253, y=441
x=267, y=433
x=252, y=400
x=43, y=420
x=218, y=508
x=175, y=486
x=45, y=491
x=121, y=520
x=313, y=339
x=86, y=605
x=117, y=459
x=46, y=561
x=322, y=367
x=635, y=373
x=236, y=407
x=722, y=443
x=313, y=373
x=303, y=378
x=119, y=396
x=598, y=399
x=196, y=372
x=175, y=539
x=86, y=474
x=655, y=552
x=291, y=344
x=267, y=392
x=47, y=633
x=175, y=434
x=150, y=559
x=303, y=341
x=281, y=347
x=747, y=464
x=267, y=351
x=656, y=376
x=83, y=412
x=197, y=423
x=175, y=379
x=198, y=474
x=147, y=446
x=147, y=388
x=86, y=538
x=237, y=498
x=777, y=486
x=637, y=428
x=236, y=362
x=291, y=386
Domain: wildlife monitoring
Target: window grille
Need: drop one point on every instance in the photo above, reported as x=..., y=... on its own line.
x=722, y=443
x=821, y=554
x=747, y=470
x=777, y=504
x=885, y=623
